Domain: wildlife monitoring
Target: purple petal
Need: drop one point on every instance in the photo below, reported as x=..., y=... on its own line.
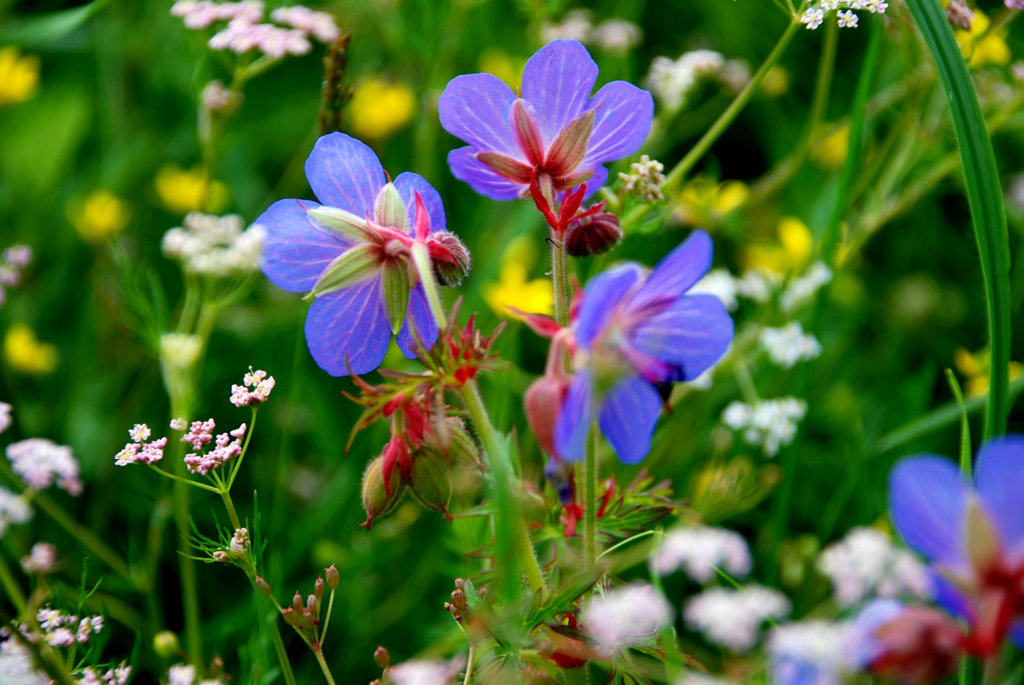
x=693, y=334
x=417, y=315
x=344, y=173
x=622, y=120
x=628, y=415
x=557, y=82
x=574, y=418
x=475, y=108
x=602, y=294
x=482, y=178
x=296, y=250
x=950, y=597
x=596, y=181
x=348, y=324
x=679, y=269
x=999, y=476
x=1017, y=633
x=408, y=184
x=927, y=497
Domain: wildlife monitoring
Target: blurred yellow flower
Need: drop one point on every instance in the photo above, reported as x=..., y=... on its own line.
x=379, y=108
x=100, y=216
x=793, y=251
x=183, y=191
x=776, y=81
x=976, y=369
x=705, y=203
x=24, y=352
x=831, y=152
x=508, y=69
x=513, y=289
x=19, y=75
x=979, y=49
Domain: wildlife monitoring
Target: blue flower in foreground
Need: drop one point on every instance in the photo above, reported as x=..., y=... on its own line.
x=353, y=255
x=632, y=333
x=972, y=534
x=554, y=134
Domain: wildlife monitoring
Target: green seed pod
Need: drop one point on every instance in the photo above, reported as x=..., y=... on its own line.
x=430, y=481
x=378, y=499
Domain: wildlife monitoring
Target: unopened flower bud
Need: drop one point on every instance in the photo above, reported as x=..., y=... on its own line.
x=920, y=641
x=263, y=586
x=379, y=499
x=382, y=657
x=165, y=644
x=960, y=15
x=593, y=234
x=318, y=588
x=311, y=604
x=430, y=481
x=297, y=605
x=333, y=577
x=543, y=402
x=290, y=617
x=461, y=444
x=449, y=257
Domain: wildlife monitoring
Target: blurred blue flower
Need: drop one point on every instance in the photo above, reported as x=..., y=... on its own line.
x=634, y=333
x=554, y=134
x=972, y=533
x=352, y=255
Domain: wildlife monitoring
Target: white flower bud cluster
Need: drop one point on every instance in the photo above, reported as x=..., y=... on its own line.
x=801, y=289
x=813, y=651
x=614, y=35
x=13, y=509
x=671, y=81
x=625, y=616
x=644, y=179
x=732, y=618
x=699, y=551
x=769, y=424
x=788, y=345
x=211, y=245
x=866, y=564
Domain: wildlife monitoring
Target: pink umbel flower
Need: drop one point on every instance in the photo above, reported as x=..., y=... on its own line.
x=320, y=25
x=225, y=448
x=42, y=463
x=261, y=386
x=199, y=15
x=273, y=41
x=42, y=558
x=140, y=451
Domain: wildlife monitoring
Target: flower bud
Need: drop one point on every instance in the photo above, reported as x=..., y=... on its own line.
x=263, y=586
x=430, y=481
x=920, y=645
x=449, y=257
x=380, y=499
x=311, y=604
x=165, y=644
x=297, y=605
x=382, y=657
x=593, y=234
x=333, y=577
x=462, y=446
x=318, y=588
x=543, y=402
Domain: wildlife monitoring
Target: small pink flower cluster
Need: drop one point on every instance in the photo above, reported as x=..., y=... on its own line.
x=244, y=31
x=41, y=463
x=199, y=435
x=64, y=630
x=14, y=259
x=5, y=416
x=139, y=450
x=41, y=559
x=1015, y=4
x=261, y=385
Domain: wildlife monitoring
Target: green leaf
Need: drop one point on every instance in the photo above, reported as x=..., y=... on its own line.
x=984, y=194
x=965, y=426
x=46, y=28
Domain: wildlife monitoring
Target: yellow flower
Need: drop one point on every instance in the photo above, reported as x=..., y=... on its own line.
x=776, y=81
x=794, y=249
x=379, y=108
x=183, y=191
x=508, y=69
x=980, y=49
x=976, y=369
x=100, y=216
x=512, y=288
x=831, y=152
x=704, y=203
x=19, y=75
x=26, y=354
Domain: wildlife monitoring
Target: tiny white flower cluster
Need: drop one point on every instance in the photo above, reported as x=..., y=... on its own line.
x=14, y=259
x=261, y=384
x=699, y=551
x=212, y=245
x=226, y=446
x=788, y=345
x=801, y=289
x=614, y=35
x=42, y=558
x=425, y=672
x=671, y=81
x=866, y=564
x=64, y=630
x=769, y=424
x=140, y=451
x=42, y=462
x=644, y=179
x=732, y=618
x=5, y=416
x=756, y=285
x=625, y=616
x=814, y=15
x=13, y=509
x=812, y=651
x=245, y=32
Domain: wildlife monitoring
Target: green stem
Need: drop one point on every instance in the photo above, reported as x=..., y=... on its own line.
x=590, y=502
x=11, y=587
x=189, y=582
x=323, y=665
x=469, y=664
x=282, y=655
x=187, y=481
x=560, y=282
x=327, y=621
x=225, y=497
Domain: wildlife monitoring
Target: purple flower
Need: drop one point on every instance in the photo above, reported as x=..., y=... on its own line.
x=554, y=134
x=972, y=534
x=352, y=254
x=634, y=333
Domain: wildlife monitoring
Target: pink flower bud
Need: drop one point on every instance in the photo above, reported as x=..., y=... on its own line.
x=592, y=234
x=262, y=585
x=543, y=402
x=333, y=577
x=380, y=497
x=449, y=257
x=921, y=645
x=382, y=657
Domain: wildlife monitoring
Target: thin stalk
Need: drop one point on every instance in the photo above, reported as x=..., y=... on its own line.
x=282, y=655
x=469, y=664
x=323, y=665
x=167, y=474
x=327, y=621
x=590, y=502
x=560, y=282
x=225, y=497
x=11, y=587
x=189, y=581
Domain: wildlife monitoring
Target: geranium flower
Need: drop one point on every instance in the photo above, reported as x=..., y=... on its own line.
x=555, y=134
x=353, y=255
x=632, y=334
x=972, y=533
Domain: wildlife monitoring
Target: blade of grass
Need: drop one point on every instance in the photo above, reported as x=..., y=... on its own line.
x=983, y=193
